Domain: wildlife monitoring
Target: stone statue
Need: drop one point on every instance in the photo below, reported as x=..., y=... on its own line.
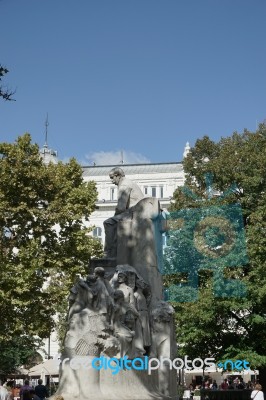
x=129, y=194
x=99, y=272
x=164, y=344
x=130, y=300
x=88, y=335
x=134, y=234
x=128, y=291
x=80, y=296
x=120, y=325
x=105, y=293
x=142, y=308
x=123, y=317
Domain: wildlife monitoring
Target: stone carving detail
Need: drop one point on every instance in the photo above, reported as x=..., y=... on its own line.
x=123, y=323
x=142, y=307
x=164, y=344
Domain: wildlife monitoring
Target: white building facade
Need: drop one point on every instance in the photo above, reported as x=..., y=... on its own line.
x=158, y=180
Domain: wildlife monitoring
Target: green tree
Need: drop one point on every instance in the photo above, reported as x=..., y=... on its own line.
x=5, y=93
x=43, y=241
x=223, y=326
x=19, y=351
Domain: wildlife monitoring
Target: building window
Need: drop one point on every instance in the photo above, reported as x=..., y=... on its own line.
x=154, y=191
x=97, y=232
x=113, y=194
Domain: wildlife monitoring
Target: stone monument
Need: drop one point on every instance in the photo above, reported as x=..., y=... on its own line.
x=117, y=314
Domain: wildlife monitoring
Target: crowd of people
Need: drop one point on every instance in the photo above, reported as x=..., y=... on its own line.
x=194, y=390
x=227, y=384
x=9, y=391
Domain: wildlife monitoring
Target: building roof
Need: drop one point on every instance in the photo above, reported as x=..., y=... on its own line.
x=48, y=155
x=131, y=169
x=48, y=367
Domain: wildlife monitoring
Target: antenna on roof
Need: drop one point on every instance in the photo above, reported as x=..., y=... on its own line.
x=122, y=157
x=46, y=130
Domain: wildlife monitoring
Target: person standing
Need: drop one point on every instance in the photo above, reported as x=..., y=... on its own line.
x=40, y=390
x=224, y=385
x=3, y=392
x=257, y=393
x=25, y=388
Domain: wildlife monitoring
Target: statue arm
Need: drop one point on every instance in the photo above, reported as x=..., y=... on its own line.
x=123, y=199
x=132, y=301
x=83, y=284
x=72, y=295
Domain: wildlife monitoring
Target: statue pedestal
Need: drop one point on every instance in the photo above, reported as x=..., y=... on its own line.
x=92, y=384
x=131, y=385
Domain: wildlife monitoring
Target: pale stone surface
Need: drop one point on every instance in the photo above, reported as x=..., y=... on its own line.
x=142, y=308
x=139, y=242
x=164, y=344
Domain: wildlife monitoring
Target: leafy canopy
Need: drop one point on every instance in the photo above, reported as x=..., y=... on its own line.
x=218, y=325
x=43, y=240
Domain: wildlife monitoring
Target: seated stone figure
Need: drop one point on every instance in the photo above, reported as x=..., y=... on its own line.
x=134, y=234
x=129, y=194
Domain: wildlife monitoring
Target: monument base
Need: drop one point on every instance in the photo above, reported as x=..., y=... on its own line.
x=104, y=385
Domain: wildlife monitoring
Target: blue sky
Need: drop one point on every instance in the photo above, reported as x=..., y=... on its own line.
x=144, y=76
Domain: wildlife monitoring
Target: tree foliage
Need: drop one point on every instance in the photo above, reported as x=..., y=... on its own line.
x=43, y=241
x=219, y=325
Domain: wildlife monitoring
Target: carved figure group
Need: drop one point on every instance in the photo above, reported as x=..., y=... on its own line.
x=119, y=308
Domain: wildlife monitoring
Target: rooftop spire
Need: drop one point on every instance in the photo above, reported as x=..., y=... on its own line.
x=46, y=131
x=48, y=155
x=122, y=157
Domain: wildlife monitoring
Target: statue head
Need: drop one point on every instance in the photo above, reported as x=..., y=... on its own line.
x=99, y=272
x=116, y=174
x=121, y=277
